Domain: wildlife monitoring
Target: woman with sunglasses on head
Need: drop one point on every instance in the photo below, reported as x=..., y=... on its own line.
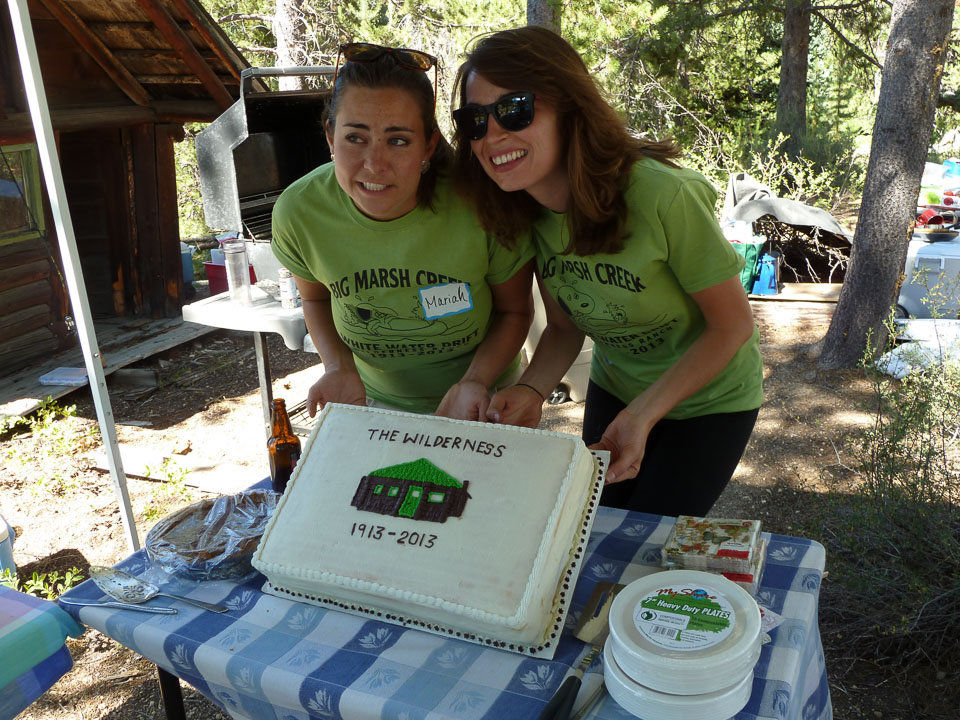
x=411, y=305
x=628, y=252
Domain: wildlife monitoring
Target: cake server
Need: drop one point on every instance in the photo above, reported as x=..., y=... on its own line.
x=128, y=588
x=123, y=606
x=592, y=628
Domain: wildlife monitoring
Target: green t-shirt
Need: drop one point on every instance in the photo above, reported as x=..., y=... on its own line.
x=410, y=297
x=636, y=304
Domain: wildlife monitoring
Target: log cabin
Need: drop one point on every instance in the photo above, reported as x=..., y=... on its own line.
x=121, y=79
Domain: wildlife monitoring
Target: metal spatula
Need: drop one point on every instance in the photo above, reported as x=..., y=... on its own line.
x=129, y=588
x=592, y=627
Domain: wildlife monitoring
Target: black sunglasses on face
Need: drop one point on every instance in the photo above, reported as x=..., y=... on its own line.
x=513, y=112
x=404, y=57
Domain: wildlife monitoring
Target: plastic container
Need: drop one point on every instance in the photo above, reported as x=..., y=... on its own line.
x=186, y=259
x=289, y=294
x=768, y=279
x=685, y=632
x=712, y=544
x=238, y=272
x=647, y=703
x=217, y=277
x=7, y=537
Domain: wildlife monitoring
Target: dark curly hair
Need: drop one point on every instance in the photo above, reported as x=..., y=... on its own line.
x=600, y=149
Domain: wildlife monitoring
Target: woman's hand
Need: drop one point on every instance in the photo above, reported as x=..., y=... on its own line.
x=516, y=405
x=340, y=386
x=466, y=400
x=340, y=382
x=626, y=439
x=559, y=344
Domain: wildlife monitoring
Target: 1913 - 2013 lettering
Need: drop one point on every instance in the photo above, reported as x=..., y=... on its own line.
x=404, y=537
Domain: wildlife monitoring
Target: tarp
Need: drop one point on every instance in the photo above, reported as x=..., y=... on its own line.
x=748, y=200
x=926, y=343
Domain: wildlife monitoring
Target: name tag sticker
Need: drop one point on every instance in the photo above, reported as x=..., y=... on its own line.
x=448, y=299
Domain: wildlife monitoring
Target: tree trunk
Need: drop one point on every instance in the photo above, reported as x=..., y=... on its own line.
x=909, y=89
x=792, y=94
x=288, y=30
x=545, y=13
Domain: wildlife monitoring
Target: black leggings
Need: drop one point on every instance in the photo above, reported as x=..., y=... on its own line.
x=686, y=465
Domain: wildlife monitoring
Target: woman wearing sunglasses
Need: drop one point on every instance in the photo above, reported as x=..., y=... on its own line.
x=410, y=304
x=628, y=252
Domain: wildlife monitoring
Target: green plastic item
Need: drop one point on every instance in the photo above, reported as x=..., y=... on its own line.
x=751, y=269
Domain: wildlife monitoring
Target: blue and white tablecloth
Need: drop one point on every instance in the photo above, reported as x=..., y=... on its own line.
x=272, y=658
x=32, y=651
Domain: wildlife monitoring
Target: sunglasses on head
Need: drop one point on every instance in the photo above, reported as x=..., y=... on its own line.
x=513, y=111
x=404, y=57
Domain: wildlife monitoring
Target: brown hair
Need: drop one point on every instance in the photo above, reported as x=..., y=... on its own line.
x=385, y=72
x=600, y=149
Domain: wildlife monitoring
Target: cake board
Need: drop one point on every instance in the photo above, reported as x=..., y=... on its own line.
x=562, y=597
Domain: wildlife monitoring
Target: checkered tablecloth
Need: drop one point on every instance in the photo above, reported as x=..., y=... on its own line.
x=32, y=651
x=271, y=658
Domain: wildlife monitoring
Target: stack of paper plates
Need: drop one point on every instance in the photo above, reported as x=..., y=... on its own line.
x=682, y=645
x=652, y=705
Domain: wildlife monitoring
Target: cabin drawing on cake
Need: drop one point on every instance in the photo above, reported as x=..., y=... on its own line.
x=418, y=490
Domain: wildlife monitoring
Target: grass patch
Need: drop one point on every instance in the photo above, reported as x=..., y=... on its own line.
x=173, y=490
x=55, y=433
x=48, y=586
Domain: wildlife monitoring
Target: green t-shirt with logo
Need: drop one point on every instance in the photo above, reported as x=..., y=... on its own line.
x=410, y=297
x=636, y=304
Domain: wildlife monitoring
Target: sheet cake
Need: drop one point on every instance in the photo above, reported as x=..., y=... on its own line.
x=468, y=529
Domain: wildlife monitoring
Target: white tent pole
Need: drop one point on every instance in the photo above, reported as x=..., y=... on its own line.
x=53, y=178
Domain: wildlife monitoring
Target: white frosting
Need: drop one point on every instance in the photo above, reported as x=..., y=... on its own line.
x=494, y=571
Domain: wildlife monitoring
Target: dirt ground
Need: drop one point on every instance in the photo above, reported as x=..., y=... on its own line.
x=205, y=416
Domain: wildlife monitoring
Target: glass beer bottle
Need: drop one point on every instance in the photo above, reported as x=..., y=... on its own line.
x=283, y=447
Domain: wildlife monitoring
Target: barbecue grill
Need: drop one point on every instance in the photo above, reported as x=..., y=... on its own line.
x=254, y=150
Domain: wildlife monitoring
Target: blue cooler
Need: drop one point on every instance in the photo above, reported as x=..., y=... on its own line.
x=6, y=547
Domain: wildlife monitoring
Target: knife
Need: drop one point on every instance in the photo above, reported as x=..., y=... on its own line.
x=123, y=606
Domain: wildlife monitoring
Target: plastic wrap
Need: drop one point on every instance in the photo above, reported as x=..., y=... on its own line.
x=213, y=539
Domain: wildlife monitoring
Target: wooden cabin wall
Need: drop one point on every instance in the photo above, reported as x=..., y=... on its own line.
x=94, y=177
x=31, y=321
x=115, y=133
x=122, y=194
x=156, y=249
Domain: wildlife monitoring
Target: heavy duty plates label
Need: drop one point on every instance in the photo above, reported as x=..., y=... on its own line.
x=684, y=617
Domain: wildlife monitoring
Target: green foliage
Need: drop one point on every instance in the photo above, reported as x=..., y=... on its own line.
x=60, y=433
x=48, y=586
x=680, y=72
x=708, y=77
x=172, y=489
x=249, y=23
x=192, y=222
x=57, y=436
x=11, y=422
x=941, y=292
x=894, y=539
x=705, y=72
x=8, y=579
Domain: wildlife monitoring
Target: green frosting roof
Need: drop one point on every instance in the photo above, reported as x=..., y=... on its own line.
x=421, y=470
